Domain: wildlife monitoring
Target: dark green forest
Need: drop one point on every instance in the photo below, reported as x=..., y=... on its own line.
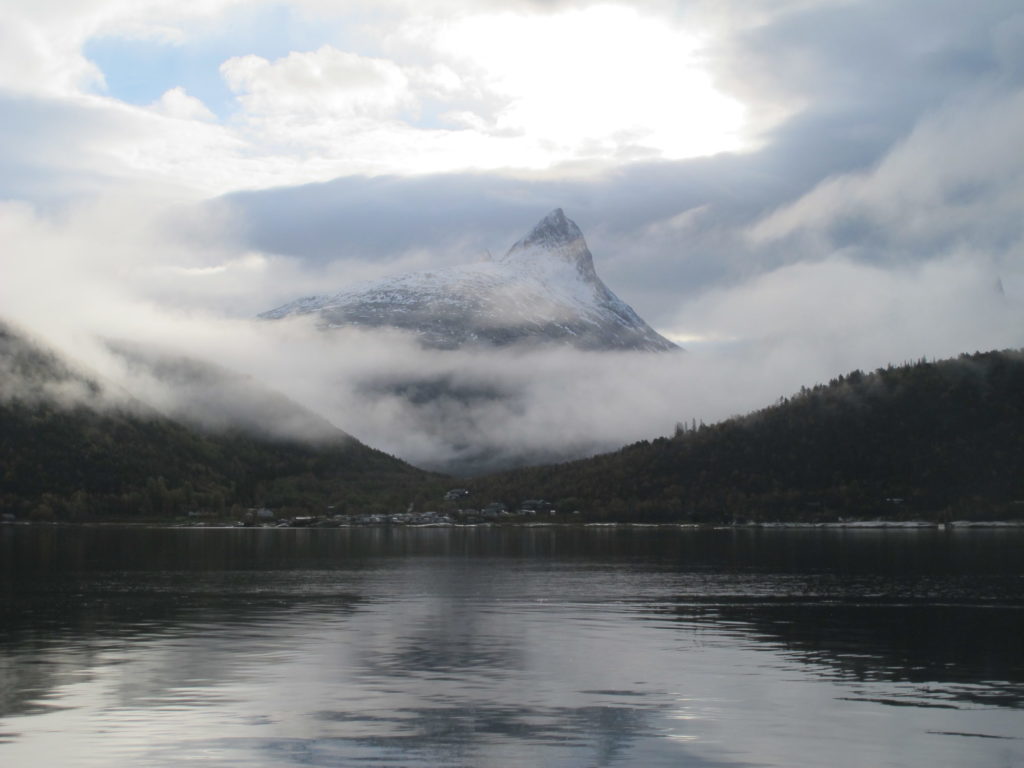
x=68, y=451
x=934, y=440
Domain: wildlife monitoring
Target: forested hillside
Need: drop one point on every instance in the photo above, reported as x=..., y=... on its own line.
x=71, y=450
x=938, y=440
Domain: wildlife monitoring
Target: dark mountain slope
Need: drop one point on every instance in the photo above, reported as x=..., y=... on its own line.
x=930, y=439
x=70, y=449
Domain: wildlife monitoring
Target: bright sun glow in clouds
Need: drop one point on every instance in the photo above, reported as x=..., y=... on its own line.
x=597, y=86
x=599, y=82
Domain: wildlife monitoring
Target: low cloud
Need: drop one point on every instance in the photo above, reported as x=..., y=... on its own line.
x=794, y=326
x=839, y=314
x=957, y=179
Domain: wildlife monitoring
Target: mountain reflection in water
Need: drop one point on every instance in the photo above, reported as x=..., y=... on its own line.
x=510, y=647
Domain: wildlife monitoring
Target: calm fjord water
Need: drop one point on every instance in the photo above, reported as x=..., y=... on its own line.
x=510, y=647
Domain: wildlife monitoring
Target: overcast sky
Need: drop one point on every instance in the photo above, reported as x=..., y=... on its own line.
x=812, y=185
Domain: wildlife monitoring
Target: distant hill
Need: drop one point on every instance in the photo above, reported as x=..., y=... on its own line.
x=937, y=440
x=69, y=448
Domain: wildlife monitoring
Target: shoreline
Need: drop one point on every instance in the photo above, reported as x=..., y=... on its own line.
x=905, y=525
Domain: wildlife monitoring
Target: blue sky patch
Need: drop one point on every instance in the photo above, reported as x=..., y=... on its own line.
x=140, y=71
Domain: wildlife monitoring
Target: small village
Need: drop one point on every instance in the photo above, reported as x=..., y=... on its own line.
x=494, y=512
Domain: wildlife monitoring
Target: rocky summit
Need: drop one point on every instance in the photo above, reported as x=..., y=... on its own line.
x=543, y=290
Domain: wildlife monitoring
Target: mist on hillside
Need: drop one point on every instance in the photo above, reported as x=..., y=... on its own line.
x=473, y=410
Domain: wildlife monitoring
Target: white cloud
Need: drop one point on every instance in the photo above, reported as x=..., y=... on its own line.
x=178, y=104
x=592, y=82
x=839, y=314
x=308, y=86
x=958, y=176
x=38, y=57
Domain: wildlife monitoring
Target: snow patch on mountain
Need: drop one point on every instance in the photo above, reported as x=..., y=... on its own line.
x=544, y=289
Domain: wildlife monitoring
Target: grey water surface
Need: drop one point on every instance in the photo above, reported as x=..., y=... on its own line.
x=511, y=647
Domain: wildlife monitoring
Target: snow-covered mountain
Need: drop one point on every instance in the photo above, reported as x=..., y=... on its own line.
x=544, y=289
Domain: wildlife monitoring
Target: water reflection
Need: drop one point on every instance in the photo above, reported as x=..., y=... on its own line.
x=447, y=734
x=523, y=647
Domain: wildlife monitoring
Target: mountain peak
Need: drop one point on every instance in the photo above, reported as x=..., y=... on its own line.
x=543, y=289
x=557, y=236
x=554, y=230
